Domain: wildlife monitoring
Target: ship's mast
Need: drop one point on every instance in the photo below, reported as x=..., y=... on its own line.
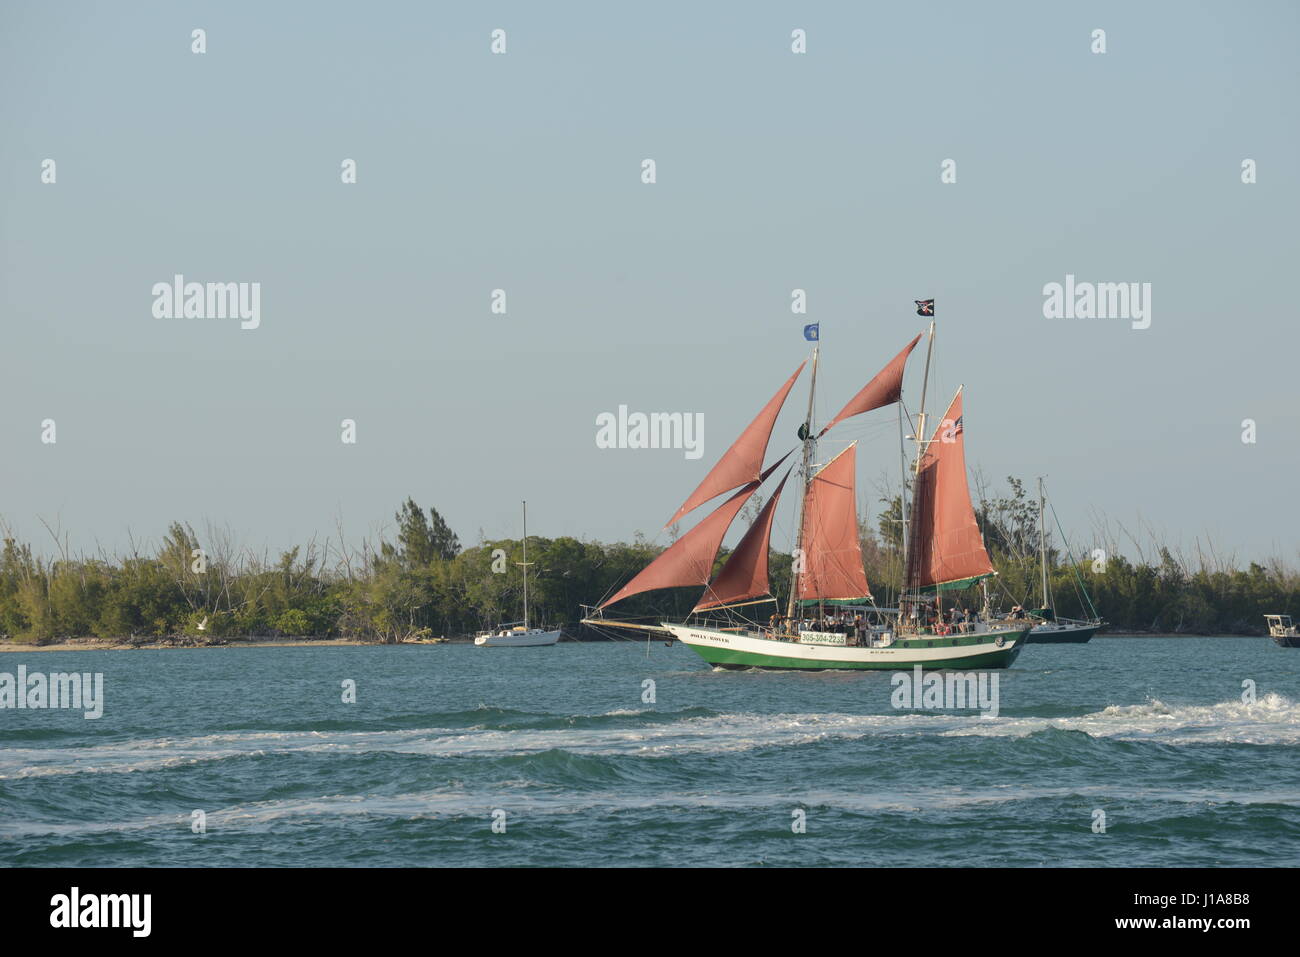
x=524, y=565
x=1042, y=540
x=916, y=471
x=809, y=442
x=902, y=497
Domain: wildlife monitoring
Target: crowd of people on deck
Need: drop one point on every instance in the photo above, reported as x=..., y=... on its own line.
x=854, y=627
x=923, y=617
x=954, y=621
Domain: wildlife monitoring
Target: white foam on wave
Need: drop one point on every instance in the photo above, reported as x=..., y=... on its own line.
x=521, y=803
x=1270, y=720
x=712, y=734
x=1273, y=719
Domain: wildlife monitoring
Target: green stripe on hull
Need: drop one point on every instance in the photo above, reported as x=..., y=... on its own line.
x=731, y=658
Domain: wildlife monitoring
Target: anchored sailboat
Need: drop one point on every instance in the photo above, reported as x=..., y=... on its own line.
x=517, y=634
x=1056, y=630
x=831, y=621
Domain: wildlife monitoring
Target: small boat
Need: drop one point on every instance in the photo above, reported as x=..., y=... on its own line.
x=1063, y=631
x=1055, y=630
x=517, y=634
x=942, y=547
x=1282, y=631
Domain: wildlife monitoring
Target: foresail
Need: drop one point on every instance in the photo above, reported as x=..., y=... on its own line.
x=689, y=560
x=832, y=552
x=947, y=549
x=884, y=389
x=744, y=576
x=742, y=462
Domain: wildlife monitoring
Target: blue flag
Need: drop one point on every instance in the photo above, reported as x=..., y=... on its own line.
x=812, y=332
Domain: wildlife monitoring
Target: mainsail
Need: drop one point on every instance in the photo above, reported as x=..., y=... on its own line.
x=884, y=389
x=744, y=576
x=832, y=553
x=947, y=549
x=743, y=462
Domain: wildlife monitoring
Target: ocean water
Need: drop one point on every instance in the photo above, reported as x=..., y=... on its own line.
x=1152, y=732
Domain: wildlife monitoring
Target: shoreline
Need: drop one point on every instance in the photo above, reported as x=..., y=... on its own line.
x=166, y=644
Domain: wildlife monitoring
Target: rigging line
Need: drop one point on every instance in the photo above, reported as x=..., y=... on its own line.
x=1007, y=591
x=1073, y=565
x=907, y=414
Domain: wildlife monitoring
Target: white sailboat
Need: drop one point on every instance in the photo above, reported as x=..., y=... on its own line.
x=517, y=634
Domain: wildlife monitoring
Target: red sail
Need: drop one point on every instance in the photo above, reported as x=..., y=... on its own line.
x=832, y=552
x=744, y=460
x=744, y=576
x=885, y=388
x=689, y=560
x=947, y=548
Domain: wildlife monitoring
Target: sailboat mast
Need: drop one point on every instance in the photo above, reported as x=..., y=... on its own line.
x=916, y=469
x=925, y=383
x=808, y=442
x=525, y=564
x=902, y=498
x=1042, y=540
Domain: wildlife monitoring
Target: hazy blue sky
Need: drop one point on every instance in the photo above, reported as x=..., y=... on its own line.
x=775, y=171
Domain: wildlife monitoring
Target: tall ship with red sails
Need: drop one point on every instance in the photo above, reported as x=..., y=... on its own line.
x=943, y=553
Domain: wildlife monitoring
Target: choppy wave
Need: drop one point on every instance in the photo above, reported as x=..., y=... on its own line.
x=456, y=803
x=1272, y=720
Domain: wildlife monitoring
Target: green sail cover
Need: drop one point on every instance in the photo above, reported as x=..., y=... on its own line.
x=956, y=585
x=814, y=602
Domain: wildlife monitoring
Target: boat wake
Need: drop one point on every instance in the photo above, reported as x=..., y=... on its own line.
x=1272, y=720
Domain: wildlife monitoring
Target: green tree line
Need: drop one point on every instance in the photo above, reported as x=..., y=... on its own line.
x=424, y=583
x=1163, y=594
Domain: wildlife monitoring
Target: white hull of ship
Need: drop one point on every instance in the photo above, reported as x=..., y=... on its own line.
x=727, y=649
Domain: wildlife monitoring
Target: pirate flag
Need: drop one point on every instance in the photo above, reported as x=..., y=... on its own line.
x=924, y=307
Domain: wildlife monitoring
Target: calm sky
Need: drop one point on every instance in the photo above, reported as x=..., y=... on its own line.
x=522, y=172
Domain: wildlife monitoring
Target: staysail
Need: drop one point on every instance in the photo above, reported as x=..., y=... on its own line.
x=832, y=553
x=743, y=462
x=885, y=388
x=744, y=576
x=947, y=549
